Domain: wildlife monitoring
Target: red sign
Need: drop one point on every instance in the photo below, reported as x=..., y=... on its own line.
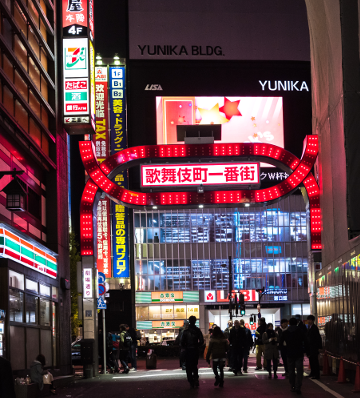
x=200, y=174
x=74, y=12
x=91, y=19
x=249, y=295
x=103, y=237
x=76, y=107
x=76, y=85
x=101, y=138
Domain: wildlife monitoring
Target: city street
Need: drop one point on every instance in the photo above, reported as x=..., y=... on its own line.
x=170, y=381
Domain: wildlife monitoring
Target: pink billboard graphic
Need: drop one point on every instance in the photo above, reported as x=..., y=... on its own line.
x=242, y=119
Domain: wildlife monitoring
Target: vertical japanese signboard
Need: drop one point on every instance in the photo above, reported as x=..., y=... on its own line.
x=78, y=66
x=87, y=283
x=102, y=146
x=118, y=141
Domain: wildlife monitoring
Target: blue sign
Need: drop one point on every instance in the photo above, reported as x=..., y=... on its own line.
x=101, y=278
x=101, y=305
x=273, y=249
x=118, y=142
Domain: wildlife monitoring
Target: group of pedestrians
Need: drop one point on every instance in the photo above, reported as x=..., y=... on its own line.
x=292, y=340
x=121, y=349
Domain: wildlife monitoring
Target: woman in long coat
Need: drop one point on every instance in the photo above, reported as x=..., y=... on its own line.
x=271, y=341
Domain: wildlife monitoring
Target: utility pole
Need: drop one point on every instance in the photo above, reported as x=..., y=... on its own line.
x=230, y=288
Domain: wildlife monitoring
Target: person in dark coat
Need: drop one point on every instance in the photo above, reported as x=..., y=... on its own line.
x=229, y=352
x=192, y=339
x=248, y=345
x=314, y=345
x=282, y=347
x=218, y=346
x=6, y=379
x=238, y=342
x=271, y=352
x=295, y=340
x=133, y=347
x=178, y=343
x=259, y=344
x=37, y=372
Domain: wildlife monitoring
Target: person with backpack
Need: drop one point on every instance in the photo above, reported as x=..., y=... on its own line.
x=114, y=356
x=192, y=339
x=125, y=345
x=217, y=349
x=237, y=339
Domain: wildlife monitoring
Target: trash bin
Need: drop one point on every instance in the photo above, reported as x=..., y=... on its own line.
x=151, y=359
x=87, y=357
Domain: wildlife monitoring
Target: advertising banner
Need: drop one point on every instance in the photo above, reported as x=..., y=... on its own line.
x=87, y=283
x=249, y=295
x=74, y=15
x=102, y=146
x=118, y=142
x=167, y=297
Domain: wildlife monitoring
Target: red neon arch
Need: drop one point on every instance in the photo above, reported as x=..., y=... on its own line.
x=133, y=156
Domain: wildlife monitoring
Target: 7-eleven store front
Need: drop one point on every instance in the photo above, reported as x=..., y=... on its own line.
x=29, y=295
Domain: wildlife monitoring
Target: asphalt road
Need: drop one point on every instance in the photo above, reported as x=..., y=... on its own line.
x=169, y=381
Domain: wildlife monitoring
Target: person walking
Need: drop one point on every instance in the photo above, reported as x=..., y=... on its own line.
x=237, y=340
x=229, y=353
x=207, y=338
x=270, y=340
x=124, y=347
x=182, y=349
x=282, y=345
x=295, y=343
x=115, y=340
x=259, y=344
x=248, y=345
x=6, y=379
x=218, y=346
x=134, y=338
x=191, y=340
x=314, y=345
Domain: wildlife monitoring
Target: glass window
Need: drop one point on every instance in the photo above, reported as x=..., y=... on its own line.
x=154, y=313
x=16, y=280
x=306, y=310
x=142, y=313
x=31, y=309
x=44, y=312
x=31, y=285
x=16, y=300
x=55, y=293
x=193, y=310
x=44, y=290
x=167, y=312
x=179, y=312
x=295, y=309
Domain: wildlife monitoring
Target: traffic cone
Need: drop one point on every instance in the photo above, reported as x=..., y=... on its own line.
x=341, y=376
x=326, y=368
x=357, y=379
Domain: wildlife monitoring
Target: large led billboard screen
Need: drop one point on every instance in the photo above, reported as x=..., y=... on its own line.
x=242, y=119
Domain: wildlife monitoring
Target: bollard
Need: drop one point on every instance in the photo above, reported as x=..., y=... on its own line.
x=357, y=379
x=326, y=368
x=341, y=376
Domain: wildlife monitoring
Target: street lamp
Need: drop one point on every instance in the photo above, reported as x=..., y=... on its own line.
x=15, y=191
x=116, y=59
x=98, y=59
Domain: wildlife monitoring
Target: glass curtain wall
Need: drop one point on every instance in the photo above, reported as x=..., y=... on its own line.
x=189, y=249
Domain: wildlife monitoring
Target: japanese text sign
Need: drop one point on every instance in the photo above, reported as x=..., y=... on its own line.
x=200, y=174
x=167, y=297
x=87, y=283
x=101, y=137
x=103, y=237
x=118, y=141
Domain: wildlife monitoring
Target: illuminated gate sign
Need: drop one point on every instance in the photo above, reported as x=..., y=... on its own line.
x=249, y=295
x=200, y=174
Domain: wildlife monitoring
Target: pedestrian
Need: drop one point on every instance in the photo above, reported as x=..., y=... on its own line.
x=110, y=359
x=207, y=338
x=134, y=338
x=115, y=339
x=6, y=379
x=259, y=344
x=271, y=352
x=229, y=353
x=314, y=345
x=282, y=345
x=37, y=372
x=237, y=340
x=124, y=347
x=218, y=346
x=248, y=344
x=182, y=349
x=192, y=339
x=295, y=343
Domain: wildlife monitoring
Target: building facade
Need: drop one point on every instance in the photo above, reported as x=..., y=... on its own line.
x=35, y=300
